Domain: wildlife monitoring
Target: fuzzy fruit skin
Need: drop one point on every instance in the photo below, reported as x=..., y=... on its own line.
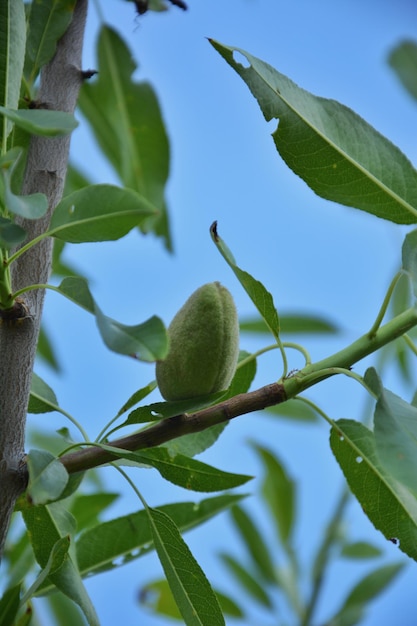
x=204, y=346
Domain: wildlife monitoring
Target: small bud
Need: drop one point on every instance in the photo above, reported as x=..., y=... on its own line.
x=204, y=346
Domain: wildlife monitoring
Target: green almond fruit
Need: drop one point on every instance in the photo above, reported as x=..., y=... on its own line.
x=204, y=346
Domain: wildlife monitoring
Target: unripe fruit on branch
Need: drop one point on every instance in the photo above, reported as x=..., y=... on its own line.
x=204, y=346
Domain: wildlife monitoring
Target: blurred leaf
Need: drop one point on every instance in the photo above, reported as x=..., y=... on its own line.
x=41, y=121
x=360, y=550
x=193, y=594
x=47, y=477
x=388, y=504
x=254, y=542
x=126, y=120
x=278, y=489
x=46, y=525
x=182, y=470
x=403, y=60
x=75, y=180
x=12, y=54
x=409, y=257
x=136, y=397
x=339, y=155
x=9, y=605
x=111, y=544
x=98, y=213
x=10, y=234
x=146, y=341
x=87, y=508
x=247, y=580
x=395, y=434
x=364, y=592
x=42, y=398
x=46, y=350
x=55, y=561
x=158, y=597
x=296, y=323
x=48, y=21
x=261, y=298
x=294, y=409
x=31, y=206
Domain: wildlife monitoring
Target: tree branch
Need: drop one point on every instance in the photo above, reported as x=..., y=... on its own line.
x=270, y=395
x=45, y=172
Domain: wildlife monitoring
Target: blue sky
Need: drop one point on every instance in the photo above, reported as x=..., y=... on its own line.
x=314, y=256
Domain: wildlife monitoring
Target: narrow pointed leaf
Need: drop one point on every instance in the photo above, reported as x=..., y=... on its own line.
x=193, y=594
x=291, y=323
x=48, y=21
x=339, y=155
x=9, y=605
x=47, y=477
x=409, y=258
x=403, y=60
x=42, y=398
x=182, y=470
x=46, y=525
x=395, y=432
x=98, y=213
x=247, y=580
x=389, y=505
x=10, y=234
x=41, y=121
x=137, y=396
x=56, y=559
x=30, y=206
x=371, y=586
x=118, y=541
x=126, y=120
x=12, y=53
x=146, y=341
x=278, y=489
x=254, y=542
x=261, y=298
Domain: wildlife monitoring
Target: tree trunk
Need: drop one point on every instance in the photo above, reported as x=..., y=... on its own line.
x=45, y=172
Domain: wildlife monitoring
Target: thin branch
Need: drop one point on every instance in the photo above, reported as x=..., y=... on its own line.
x=270, y=395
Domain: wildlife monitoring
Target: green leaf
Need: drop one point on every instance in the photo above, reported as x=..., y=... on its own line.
x=339, y=155
x=294, y=409
x=47, y=477
x=9, y=605
x=403, y=60
x=182, y=470
x=388, y=504
x=244, y=376
x=87, y=508
x=98, y=213
x=146, y=341
x=46, y=350
x=56, y=560
x=193, y=594
x=247, y=580
x=31, y=206
x=409, y=257
x=294, y=323
x=360, y=550
x=48, y=21
x=395, y=432
x=12, y=51
x=254, y=542
x=42, y=398
x=46, y=525
x=136, y=397
x=261, y=298
x=10, y=234
x=371, y=586
x=41, y=121
x=126, y=120
x=278, y=490
x=114, y=543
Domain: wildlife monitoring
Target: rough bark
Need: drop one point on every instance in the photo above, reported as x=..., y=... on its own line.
x=45, y=172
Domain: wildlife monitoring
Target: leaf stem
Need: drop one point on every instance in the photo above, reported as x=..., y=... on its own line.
x=385, y=303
